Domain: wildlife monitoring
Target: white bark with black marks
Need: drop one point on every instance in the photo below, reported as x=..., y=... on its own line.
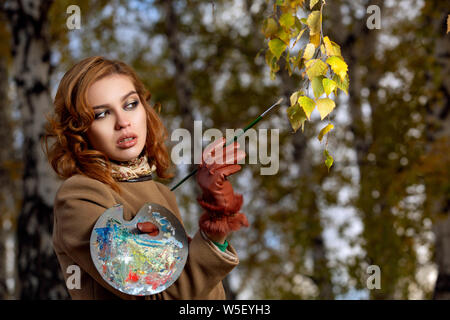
x=39, y=272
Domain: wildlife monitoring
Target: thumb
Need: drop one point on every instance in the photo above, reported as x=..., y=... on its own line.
x=148, y=227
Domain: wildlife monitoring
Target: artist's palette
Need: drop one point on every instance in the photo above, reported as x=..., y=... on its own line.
x=137, y=263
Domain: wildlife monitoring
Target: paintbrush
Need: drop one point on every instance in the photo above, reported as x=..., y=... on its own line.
x=233, y=139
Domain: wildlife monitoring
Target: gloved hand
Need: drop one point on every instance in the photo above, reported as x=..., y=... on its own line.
x=221, y=204
x=148, y=228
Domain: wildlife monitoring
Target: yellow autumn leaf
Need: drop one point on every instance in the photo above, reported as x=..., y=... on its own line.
x=328, y=159
x=277, y=47
x=296, y=3
x=315, y=67
x=338, y=65
x=324, y=131
x=331, y=48
x=315, y=39
x=317, y=86
x=325, y=106
x=287, y=20
x=322, y=49
x=270, y=28
x=298, y=37
x=342, y=84
x=336, y=49
x=328, y=47
x=328, y=85
x=312, y=3
x=314, y=22
x=294, y=97
x=307, y=104
x=283, y=36
x=309, y=51
x=296, y=117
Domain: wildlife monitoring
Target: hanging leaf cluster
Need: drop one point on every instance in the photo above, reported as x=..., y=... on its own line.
x=319, y=61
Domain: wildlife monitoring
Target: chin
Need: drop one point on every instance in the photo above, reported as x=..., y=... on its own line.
x=127, y=155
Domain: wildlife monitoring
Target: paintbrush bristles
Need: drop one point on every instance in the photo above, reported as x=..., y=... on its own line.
x=275, y=104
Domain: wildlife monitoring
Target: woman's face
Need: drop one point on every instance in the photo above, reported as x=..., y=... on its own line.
x=120, y=128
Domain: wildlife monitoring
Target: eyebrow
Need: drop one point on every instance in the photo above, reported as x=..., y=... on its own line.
x=122, y=99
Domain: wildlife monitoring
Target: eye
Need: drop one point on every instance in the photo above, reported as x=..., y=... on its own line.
x=101, y=115
x=132, y=105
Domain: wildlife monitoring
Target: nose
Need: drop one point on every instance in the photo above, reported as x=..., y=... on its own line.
x=122, y=120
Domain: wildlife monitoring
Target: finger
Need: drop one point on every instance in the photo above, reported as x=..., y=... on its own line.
x=228, y=170
x=218, y=143
x=230, y=159
x=232, y=155
x=219, y=154
x=213, y=157
x=147, y=227
x=211, y=149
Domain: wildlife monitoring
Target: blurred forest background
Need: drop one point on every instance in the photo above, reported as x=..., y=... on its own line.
x=385, y=201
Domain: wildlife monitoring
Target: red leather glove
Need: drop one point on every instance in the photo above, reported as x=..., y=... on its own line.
x=221, y=204
x=148, y=228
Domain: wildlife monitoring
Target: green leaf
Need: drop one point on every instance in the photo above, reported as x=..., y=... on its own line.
x=338, y=65
x=296, y=60
x=314, y=22
x=328, y=159
x=269, y=57
x=287, y=20
x=343, y=85
x=274, y=67
x=303, y=20
x=317, y=86
x=315, y=67
x=309, y=51
x=277, y=47
x=297, y=117
x=312, y=3
x=288, y=65
x=270, y=28
x=325, y=106
x=307, y=104
x=328, y=85
x=271, y=61
x=297, y=24
x=324, y=131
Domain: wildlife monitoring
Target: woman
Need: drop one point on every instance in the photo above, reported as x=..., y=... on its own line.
x=108, y=143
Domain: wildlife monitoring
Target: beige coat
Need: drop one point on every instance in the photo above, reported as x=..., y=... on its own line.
x=81, y=200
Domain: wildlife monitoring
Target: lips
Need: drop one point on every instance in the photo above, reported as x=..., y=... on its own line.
x=127, y=140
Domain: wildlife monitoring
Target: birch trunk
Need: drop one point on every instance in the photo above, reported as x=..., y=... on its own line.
x=38, y=269
x=9, y=193
x=438, y=130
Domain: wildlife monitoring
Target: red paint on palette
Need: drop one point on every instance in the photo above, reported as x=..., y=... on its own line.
x=132, y=276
